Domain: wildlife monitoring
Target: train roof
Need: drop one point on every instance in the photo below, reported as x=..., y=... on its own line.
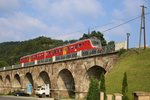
x=58, y=47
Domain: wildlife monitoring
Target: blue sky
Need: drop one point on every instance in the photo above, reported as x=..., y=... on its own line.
x=69, y=19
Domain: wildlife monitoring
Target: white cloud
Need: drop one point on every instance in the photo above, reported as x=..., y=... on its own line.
x=21, y=26
x=132, y=7
x=118, y=14
x=8, y=6
x=18, y=26
x=71, y=32
x=69, y=8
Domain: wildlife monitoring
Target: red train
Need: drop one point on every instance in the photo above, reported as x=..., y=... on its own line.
x=86, y=44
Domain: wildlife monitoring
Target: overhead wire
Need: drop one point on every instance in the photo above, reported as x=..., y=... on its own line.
x=123, y=23
x=100, y=26
x=114, y=27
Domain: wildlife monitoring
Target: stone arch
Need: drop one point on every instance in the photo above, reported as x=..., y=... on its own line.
x=16, y=84
x=43, y=79
x=7, y=81
x=28, y=80
x=1, y=84
x=92, y=72
x=7, y=84
x=66, y=83
x=1, y=81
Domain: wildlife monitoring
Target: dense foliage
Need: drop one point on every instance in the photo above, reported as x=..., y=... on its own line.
x=97, y=34
x=10, y=52
x=125, y=87
x=121, y=51
x=102, y=85
x=93, y=92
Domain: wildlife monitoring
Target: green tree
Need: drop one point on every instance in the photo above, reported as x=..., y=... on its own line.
x=125, y=87
x=3, y=63
x=102, y=85
x=85, y=36
x=93, y=92
x=97, y=34
x=111, y=43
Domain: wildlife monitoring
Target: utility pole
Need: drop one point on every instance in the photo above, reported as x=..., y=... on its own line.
x=88, y=31
x=128, y=34
x=142, y=27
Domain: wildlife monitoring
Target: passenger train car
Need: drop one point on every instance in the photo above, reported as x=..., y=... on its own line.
x=87, y=44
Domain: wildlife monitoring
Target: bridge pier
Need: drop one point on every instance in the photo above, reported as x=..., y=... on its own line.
x=2, y=90
x=80, y=95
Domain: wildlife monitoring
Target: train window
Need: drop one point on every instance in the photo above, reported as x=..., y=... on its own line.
x=76, y=46
x=38, y=55
x=35, y=56
x=54, y=51
x=27, y=58
x=51, y=52
x=67, y=48
x=71, y=47
x=79, y=45
x=48, y=52
x=60, y=50
x=96, y=43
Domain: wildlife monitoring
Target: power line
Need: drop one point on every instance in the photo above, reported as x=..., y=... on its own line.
x=123, y=23
x=100, y=26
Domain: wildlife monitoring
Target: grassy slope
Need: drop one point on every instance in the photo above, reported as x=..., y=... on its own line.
x=137, y=66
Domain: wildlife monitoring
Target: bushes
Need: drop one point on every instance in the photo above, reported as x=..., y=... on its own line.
x=125, y=87
x=121, y=51
x=93, y=93
x=102, y=85
x=95, y=88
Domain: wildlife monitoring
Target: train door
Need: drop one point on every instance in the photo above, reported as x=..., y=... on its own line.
x=65, y=49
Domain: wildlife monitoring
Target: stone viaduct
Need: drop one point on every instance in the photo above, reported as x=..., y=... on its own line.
x=68, y=78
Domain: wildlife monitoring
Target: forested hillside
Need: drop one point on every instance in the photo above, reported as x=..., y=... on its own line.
x=10, y=52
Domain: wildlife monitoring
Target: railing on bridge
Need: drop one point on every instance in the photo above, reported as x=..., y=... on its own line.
x=65, y=57
x=80, y=54
x=104, y=50
x=43, y=61
x=8, y=67
x=16, y=66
